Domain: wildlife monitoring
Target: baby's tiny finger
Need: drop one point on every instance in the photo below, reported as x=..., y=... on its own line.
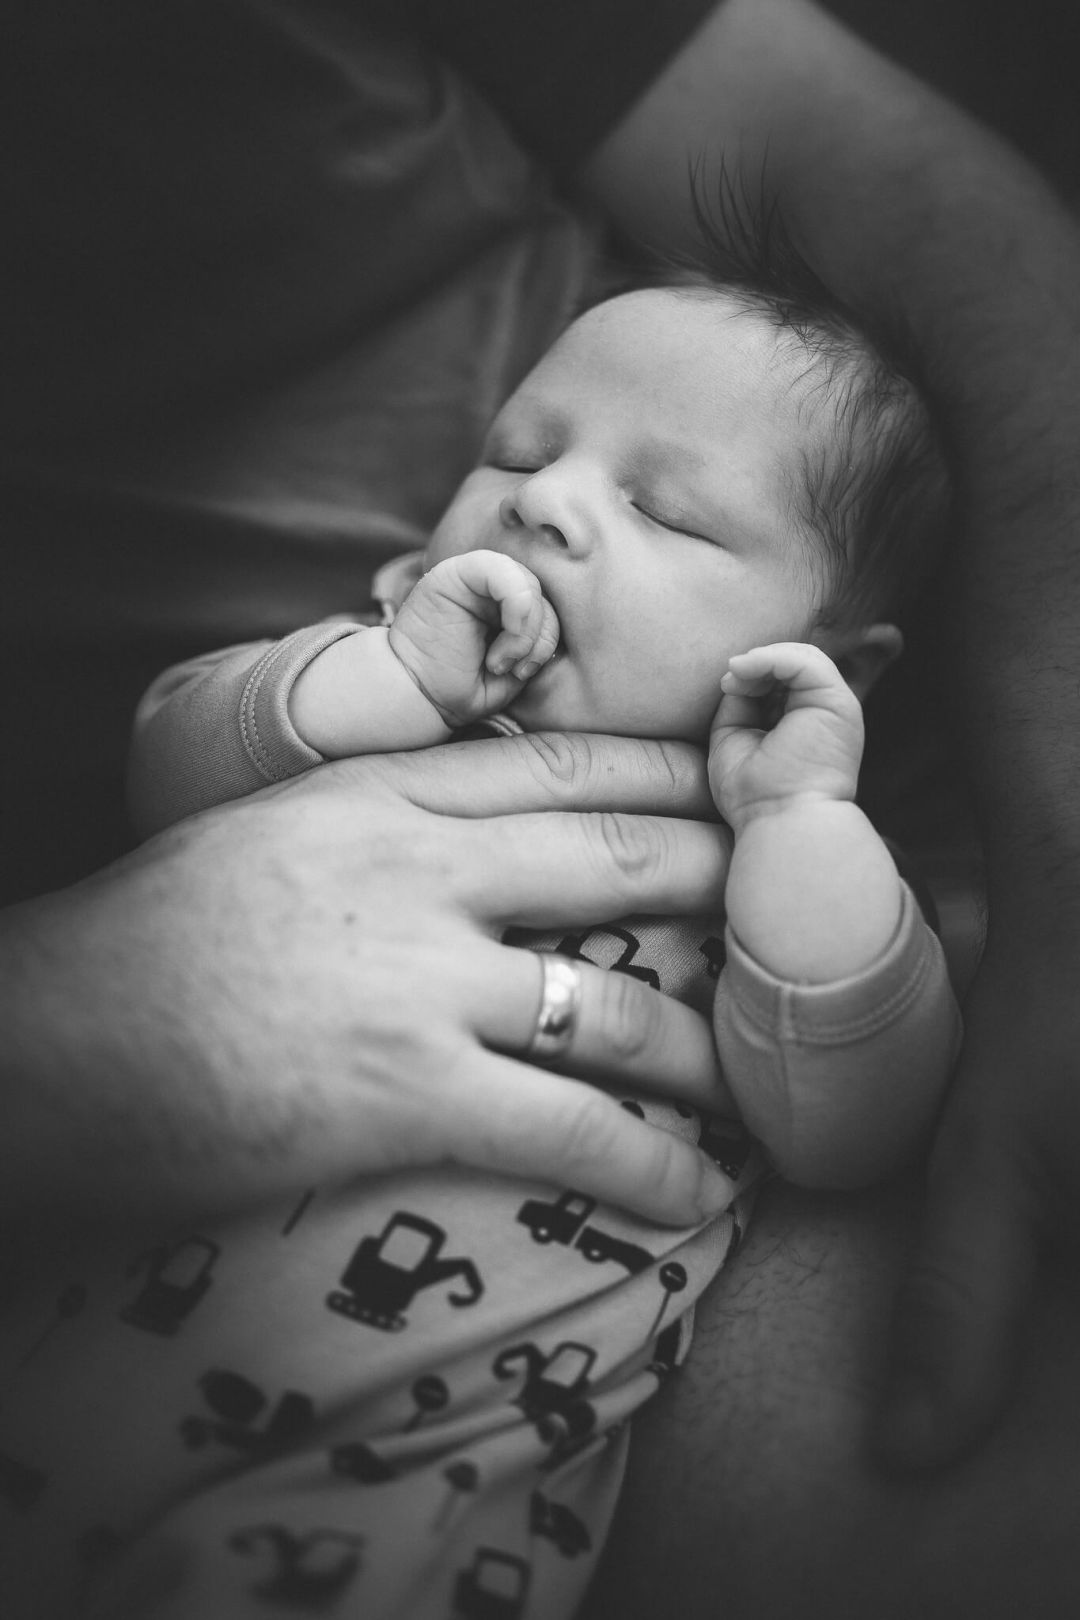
x=520, y=615
x=743, y=686
x=545, y=645
x=798, y=665
x=738, y=713
x=519, y=609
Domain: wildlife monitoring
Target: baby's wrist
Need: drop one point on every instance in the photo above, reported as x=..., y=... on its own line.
x=791, y=807
x=358, y=697
x=411, y=661
x=416, y=668
x=457, y=695
x=813, y=895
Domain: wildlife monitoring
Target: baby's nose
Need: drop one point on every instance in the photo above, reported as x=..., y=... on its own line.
x=518, y=513
x=557, y=504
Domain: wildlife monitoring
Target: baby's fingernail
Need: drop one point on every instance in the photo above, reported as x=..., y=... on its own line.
x=528, y=667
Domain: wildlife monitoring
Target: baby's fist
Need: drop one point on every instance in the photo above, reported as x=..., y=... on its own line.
x=788, y=727
x=443, y=634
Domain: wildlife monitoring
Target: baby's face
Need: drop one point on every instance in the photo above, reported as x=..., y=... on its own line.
x=644, y=472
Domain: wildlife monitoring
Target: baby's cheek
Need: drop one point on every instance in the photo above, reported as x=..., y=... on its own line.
x=700, y=715
x=537, y=707
x=456, y=533
x=469, y=521
x=679, y=711
x=444, y=543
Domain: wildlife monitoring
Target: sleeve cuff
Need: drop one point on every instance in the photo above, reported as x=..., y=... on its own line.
x=271, y=742
x=842, y=1011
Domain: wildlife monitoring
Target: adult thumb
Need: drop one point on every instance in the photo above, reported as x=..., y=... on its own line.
x=961, y=1306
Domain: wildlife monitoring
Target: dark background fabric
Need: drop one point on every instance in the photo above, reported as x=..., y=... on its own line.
x=561, y=73
x=1016, y=67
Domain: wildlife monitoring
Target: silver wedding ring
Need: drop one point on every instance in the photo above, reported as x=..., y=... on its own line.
x=560, y=1004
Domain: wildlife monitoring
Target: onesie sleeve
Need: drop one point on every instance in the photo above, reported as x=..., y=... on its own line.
x=841, y=1082
x=217, y=727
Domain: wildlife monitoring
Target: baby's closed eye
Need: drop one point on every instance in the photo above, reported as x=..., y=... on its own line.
x=673, y=522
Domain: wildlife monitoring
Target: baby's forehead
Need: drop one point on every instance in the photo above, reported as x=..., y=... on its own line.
x=643, y=308
x=663, y=377
x=729, y=328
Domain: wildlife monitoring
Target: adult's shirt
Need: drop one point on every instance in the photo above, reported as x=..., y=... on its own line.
x=267, y=269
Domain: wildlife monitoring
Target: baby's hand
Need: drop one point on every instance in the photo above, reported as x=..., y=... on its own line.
x=788, y=728
x=443, y=634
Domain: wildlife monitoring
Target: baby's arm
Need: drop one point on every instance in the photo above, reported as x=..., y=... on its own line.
x=813, y=893
x=835, y=1022
x=436, y=668
x=227, y=723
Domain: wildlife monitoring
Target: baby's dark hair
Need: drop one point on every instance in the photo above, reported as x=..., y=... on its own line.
x=879, y=499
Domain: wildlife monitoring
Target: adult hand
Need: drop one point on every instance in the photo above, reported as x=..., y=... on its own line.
x=308, y=984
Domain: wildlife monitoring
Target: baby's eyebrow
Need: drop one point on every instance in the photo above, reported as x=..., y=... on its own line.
x=539, y=414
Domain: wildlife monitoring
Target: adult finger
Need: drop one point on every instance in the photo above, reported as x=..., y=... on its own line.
x=521, y=1121
x=625, y=1030
x=540, y=771
x=556, y=868
x=960, y=1311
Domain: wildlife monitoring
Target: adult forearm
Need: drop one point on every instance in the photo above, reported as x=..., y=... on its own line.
x=109, y=1098
x=913, y=210
x=772, y=1406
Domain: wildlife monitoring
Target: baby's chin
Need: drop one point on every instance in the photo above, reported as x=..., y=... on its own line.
x=533, y=715
x=558, y=699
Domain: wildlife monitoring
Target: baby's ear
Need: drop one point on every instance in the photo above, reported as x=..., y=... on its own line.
x=862, y=654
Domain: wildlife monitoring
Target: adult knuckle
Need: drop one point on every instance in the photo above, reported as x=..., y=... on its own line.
x=629, y=1019
x=559, y=760
x=669, y=762
x=634, y=845
x=589, y=1131
x=415, y=861
x=581, y=768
